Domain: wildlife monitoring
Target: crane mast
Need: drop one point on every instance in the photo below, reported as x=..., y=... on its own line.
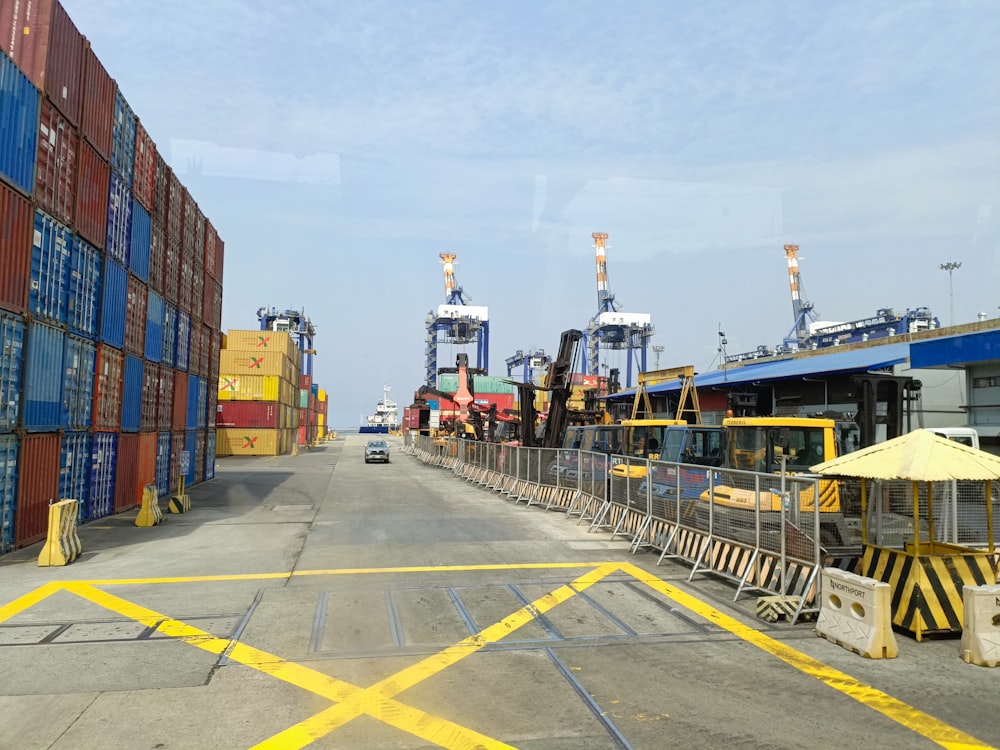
x=455, y=322
x=802, y=310
x=605, y=299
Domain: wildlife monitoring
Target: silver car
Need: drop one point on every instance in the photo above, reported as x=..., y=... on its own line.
x=377, y=450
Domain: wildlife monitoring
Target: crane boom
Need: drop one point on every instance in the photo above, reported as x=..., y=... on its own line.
x=605, y=299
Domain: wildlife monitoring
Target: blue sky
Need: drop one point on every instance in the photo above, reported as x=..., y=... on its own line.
x=339, y=147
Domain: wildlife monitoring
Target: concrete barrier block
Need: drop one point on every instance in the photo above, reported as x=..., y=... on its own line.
x=150, y=513
x=62, y=543
x=856, y=613
x=981, y=632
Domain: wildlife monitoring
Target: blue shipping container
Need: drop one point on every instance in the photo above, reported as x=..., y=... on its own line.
x=103, y=455
x=169, y=334
x=210, y=455
x=163, y=463
x=138, y=258
x=192, y=405
x=50, y=250
x=79, y=364
x=114, y=300
x=202, y=403
x=182, y=346
x=190, y=445
x=83, y=288
x=74, y=469
x=154, y=327
x=118, y=238
x=18, y=126
x=9, y=448
x=123, y=139
x=42, y=407
x=132, y=394
x=11, y=358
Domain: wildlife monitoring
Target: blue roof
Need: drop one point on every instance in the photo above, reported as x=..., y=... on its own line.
x=956, y=350
x=857, y=360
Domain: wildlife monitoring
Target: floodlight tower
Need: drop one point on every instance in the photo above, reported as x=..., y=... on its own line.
x=612, y=329
x=455, y=322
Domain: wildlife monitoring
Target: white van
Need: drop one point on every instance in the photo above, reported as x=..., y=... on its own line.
x=964, y=435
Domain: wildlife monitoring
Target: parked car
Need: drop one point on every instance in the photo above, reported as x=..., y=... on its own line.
x=377, y=450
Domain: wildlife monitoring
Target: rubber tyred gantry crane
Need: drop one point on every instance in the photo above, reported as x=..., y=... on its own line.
x=455, y=322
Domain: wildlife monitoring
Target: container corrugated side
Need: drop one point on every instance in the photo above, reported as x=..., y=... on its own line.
x=110, y=370
x=127, y=491
x=448, y=382
x=136, y=313
x=144, y=166
x=50, y=250
x=132, y=394
x=258, y=414
x=201, y=420
x=249, y=388
x=211, y=249
x=123, y=139
x=171, y=272
x=74, y=469
x=157, y=240
x=150, y=386
x=198, y=281
x=175, y=212
x=163, y=441
x=191, y=448
x=79, y=363
x=178, y=419
x=138, y=261
x=199, y=456
x=11, y=362
x=210, y=437
x=55, y=170
x=182, y=346
x=98, y=103
x=193, y=392
x=147, y=459
x=38, y=484
x=103, y=461
x=247, y=442
x=154, y=327
x=19, y=103
x=117, y=243
x=93, y=176
x=184, y=283
x=161, y=191
x=176, y=449
x=256, y=363
x=248, y=340
x=165, y=398
x=83, y=289
x=16, y=232
x=211, y=402
x=42, y=404
x=114, y=301
x=196, y=360
x=169, y=334
x=10, y=446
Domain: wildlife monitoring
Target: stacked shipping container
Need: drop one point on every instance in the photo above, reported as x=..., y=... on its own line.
x=257, y=395
x=87, y=388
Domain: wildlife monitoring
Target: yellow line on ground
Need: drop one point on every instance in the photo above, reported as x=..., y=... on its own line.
x=923, y=724
x=29, y=600
x=392, y=712
x=374, y=700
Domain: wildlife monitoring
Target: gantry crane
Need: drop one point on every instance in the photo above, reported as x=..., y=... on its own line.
x=534, y=363
x=802, y=309
x=297, y=323
x=612, y=329
x=455, y=322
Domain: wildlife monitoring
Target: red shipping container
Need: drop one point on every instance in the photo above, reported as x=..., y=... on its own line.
x=215, y=344
x=220, y=256
x=150, y=393
x=91, y=209
x=135, y=317
x=175, y=212
x=17, y=225
x=146, y=473
x=211, y=249
x=161, y=191
x=264, y=415
x=38, y=485
x=195, y=360
x=156, y=250
x=109, y=368
x=98, y=103
x=305, y=382
x=164, y=398
x=199, y=456
x=185, y=274
x=171, y=270
x=55, y=168
x=144, y=169
x=212, y=401
x=177, y=446
x=180, y=404
x=47, y=46
x=198, y=282
x=128, y=492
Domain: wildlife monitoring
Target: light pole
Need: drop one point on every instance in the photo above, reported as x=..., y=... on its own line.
x=951, y=266
x=657, y=351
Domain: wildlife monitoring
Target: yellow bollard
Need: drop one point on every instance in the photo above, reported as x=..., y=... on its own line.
x=180, y=502
x=150, y=513
x=62, y=543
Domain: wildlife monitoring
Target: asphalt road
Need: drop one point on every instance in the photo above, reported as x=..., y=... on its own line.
x=316, y=601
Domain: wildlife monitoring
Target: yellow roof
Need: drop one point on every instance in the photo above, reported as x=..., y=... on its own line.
x=919, y=456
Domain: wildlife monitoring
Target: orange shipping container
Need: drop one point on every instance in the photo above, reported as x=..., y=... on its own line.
x=247, y=441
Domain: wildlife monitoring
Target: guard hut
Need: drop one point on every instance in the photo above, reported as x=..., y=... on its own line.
x=947, y=490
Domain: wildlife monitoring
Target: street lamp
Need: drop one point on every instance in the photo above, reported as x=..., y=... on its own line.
x=949, y=267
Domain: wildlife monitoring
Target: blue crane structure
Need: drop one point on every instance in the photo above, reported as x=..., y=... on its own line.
x=295, y=322
x=531, y=362
x=612, y=329
x=455, y=322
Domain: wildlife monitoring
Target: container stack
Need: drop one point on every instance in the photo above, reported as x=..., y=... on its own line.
x=322, y=426
x=110, y=290
x=308, y=411
x=257, y=393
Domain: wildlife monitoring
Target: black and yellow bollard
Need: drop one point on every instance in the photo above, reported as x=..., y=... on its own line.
x=150, y=513
x=181, y=501
x=62, y=543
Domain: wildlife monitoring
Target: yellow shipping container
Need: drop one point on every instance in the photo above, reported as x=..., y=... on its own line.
x=321, y=420
x=250, y=387
x=321, y=396
x=263, y=341
x=239, y=362
x=247, y=441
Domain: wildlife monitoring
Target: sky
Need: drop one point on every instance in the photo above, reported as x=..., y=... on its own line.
x=339, y=147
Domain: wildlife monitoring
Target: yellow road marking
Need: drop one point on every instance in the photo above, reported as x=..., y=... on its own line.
x=326, y=721
x=28, y=600
x=902, y=713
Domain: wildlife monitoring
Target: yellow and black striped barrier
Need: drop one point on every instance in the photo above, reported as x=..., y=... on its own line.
x=62, y=544
x=180, y=502
x=150, y=513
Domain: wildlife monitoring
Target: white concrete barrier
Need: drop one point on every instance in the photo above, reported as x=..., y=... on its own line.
x=981, y=631
x=856, y=613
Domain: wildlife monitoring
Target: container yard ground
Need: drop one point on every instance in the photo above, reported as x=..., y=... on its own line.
x=314, y=599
